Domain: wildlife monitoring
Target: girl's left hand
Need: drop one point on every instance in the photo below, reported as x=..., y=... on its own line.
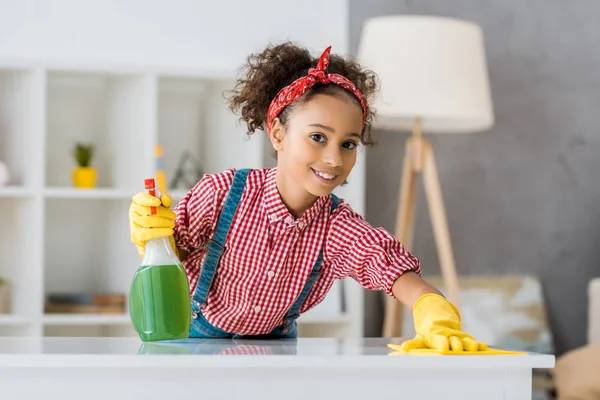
x=437, y=323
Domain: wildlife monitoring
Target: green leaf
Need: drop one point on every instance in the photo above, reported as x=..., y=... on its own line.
x=83, y=154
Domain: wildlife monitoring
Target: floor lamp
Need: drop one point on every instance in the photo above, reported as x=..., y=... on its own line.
x=433, y=78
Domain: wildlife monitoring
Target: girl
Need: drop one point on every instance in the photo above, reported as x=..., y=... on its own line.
x=260, y=247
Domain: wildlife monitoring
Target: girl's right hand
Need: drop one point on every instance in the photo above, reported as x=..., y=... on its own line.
x=144, y=226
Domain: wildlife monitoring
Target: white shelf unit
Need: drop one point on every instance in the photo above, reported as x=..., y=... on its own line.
x=56, y=238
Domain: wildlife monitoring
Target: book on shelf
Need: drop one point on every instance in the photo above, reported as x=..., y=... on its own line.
x=86, y=303
x=83, y=309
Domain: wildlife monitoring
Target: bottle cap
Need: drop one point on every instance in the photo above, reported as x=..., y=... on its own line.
x=149, y=183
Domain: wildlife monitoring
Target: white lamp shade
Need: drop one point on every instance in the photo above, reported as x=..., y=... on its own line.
x=432, y=67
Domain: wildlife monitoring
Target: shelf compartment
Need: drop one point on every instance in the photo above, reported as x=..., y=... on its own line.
x=21, y=116
x=193, y=117
x=20, y=263
x=114, y=112
x=103, y=260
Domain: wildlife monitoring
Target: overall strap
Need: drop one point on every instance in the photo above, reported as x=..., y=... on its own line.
x=216, y=245
x=294, y=311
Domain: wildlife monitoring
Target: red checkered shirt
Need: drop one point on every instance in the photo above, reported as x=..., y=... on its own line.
x=269, y=254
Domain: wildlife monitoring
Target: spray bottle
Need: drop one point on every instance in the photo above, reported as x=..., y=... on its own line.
x=159, y=298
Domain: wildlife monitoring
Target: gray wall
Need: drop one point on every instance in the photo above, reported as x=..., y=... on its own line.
x=523, y=197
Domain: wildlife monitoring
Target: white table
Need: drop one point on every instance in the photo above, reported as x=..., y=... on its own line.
x=210, y=369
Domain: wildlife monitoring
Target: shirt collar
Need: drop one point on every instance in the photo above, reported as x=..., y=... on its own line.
x=276, y=210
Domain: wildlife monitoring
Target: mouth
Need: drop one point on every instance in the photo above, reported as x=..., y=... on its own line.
x=325, y=177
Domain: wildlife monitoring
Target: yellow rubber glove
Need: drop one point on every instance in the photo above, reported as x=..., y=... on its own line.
x=437, y=323
x=144, y=226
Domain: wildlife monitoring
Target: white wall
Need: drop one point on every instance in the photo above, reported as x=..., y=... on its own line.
x=166, y=33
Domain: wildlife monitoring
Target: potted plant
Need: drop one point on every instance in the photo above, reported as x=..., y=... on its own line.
x=84, y=175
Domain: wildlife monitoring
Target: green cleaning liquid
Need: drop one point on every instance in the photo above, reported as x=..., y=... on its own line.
x=159, y=295
x=159, y=303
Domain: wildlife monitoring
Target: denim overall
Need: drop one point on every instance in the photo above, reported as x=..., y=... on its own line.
x=200, y=327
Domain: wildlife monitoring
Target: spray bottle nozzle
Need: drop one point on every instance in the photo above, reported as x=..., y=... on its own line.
x=150, y=186
x=149, y=183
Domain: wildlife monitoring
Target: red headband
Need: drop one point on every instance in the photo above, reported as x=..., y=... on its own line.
x=297, y=88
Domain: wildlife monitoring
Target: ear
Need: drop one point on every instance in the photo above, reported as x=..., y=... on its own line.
x=276, y=134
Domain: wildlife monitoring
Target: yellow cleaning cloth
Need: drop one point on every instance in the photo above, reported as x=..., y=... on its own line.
x=435, y=352
x=438, y=329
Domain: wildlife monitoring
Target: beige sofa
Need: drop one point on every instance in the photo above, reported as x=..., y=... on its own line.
x=594, y=311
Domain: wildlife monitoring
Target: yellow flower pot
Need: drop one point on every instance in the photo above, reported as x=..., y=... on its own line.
x=84, y=177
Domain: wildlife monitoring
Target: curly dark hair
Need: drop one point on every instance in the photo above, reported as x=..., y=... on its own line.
x=267, y=72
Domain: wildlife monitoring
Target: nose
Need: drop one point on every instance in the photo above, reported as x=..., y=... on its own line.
x=333, y=156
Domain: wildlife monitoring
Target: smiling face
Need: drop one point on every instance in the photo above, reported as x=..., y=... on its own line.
x=316, y=149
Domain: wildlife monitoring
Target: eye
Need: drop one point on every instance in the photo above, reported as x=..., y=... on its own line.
x=317, y=137
x=350, y=145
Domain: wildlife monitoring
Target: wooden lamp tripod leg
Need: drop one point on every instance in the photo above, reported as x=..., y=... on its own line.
x=437, y=215
x=418, y=159
x=405, y=217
